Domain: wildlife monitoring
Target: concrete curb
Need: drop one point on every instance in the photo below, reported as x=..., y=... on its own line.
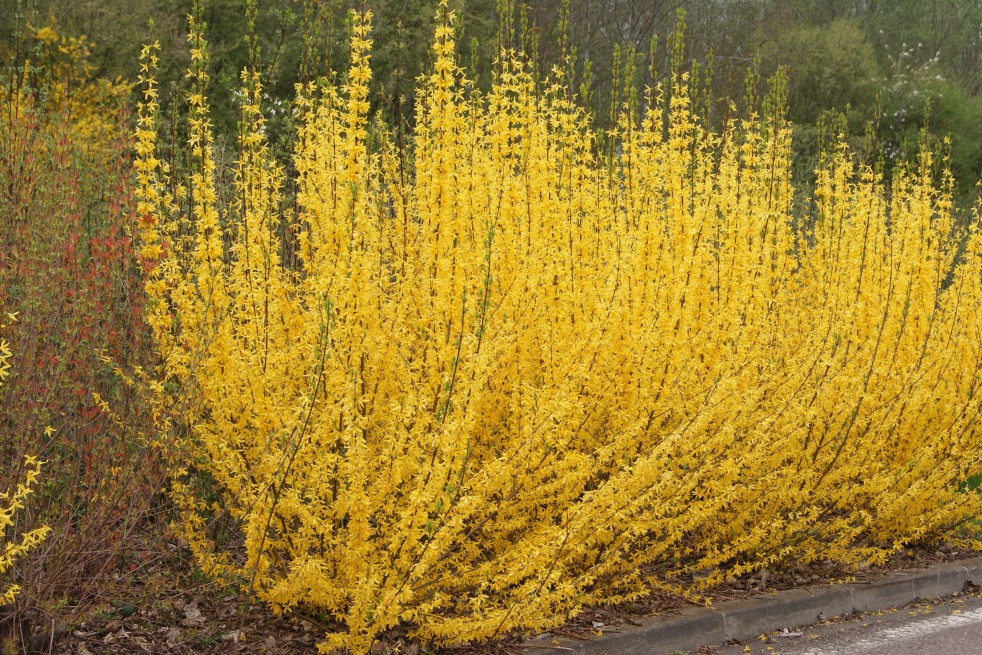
x=745, y=620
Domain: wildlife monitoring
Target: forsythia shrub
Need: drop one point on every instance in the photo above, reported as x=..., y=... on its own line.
x=11, y=502
x=59, y=80
x=512, y=362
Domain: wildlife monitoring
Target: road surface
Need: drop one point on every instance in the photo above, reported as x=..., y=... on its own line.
x=942, y=627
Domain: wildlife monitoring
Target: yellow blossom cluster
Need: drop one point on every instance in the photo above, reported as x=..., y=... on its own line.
x=60, y=80
x=515, y=376
x=12, y=501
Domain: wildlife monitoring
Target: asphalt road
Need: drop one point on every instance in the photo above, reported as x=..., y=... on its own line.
x=942, y=627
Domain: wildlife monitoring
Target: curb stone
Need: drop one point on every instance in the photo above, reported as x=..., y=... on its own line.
x=744, y=620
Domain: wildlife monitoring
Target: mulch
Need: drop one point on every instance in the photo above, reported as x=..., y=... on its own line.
x=160, y=606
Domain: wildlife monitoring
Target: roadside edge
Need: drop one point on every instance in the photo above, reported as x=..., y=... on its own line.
x=743, y=620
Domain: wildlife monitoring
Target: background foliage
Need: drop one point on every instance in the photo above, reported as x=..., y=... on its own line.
x=880, y=62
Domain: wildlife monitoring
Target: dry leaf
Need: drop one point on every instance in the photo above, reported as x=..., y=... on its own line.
x=192, y=615
x=235, y=636
x=173, y=636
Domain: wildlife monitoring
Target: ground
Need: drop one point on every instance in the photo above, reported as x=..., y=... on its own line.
x=163, y=606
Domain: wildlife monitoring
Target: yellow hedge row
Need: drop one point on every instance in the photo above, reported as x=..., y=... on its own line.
x=509, y=373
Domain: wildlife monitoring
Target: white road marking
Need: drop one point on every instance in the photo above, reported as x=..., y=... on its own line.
x=903, y=633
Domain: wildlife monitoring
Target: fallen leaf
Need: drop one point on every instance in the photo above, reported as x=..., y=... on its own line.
x=192, y=615
x=172, y=636
x=235, y=636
